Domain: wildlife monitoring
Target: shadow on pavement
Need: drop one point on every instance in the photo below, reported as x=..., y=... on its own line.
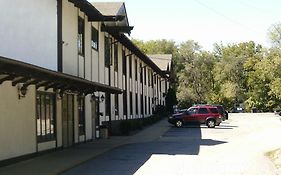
x=126, y=160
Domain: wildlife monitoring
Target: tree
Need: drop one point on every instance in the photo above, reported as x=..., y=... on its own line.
x=196, y=80
x=274, y=35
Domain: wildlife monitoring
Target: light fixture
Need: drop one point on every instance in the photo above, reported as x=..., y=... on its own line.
x=97, y=98
x=22, y=91
x=102, y=98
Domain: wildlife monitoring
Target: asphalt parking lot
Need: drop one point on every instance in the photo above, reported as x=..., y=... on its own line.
x=237, y=146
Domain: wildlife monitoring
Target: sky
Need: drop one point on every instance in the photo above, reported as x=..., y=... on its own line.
x=204, y=21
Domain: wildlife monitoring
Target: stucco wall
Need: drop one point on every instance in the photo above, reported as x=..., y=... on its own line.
x=17, y=122
x=69, y=37
x=28, y=31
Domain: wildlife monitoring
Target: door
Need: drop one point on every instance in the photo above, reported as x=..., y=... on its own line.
x=202, y=115
x=189, y=116
x=95, y=119
x=68, y=120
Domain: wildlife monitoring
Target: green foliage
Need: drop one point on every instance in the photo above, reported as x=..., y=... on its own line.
x=171, y=99
x=157, y=46
x=274, y=35
x=233, y=74
x=128, y=126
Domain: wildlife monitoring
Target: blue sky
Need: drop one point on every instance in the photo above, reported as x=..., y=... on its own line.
x=204, y=21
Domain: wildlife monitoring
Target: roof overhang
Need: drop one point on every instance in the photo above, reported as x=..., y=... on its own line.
x=92, y=13
x=28, y=74
x=117, y=29
x=135, y=50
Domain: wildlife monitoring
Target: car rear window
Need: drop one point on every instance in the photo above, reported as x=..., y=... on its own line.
x=214, y=110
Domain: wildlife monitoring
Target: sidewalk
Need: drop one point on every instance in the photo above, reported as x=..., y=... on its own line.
x=59, y=161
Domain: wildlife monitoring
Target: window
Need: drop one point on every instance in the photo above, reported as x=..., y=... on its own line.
x=107, y=104
x=116, y=104
x=152, y=81
x=137, y=104
x=130, y=66
x=160, y=85
x=81, y=36
x=148, y=76
x=141, y=74
x=81, y=115
x=131, y=103
x=214, y=110
x=203, y=111
x=95, y=38
x=142, y=107
x=125, y=103
x=45, y=116
x=116, y=57
x=149, y=107
x=144, y=74
x=107, y=52
x=145, y=105
x=193, y=110
x=136, y=69
x=124, y=62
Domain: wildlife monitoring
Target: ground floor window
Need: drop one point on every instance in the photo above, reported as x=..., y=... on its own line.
x=107, y=104
x=116, y=105
x=45, y=116
x=81, y=115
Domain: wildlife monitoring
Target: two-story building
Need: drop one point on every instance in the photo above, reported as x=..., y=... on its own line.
x=65, y=67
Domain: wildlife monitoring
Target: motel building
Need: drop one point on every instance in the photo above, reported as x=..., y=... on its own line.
x=66, y=67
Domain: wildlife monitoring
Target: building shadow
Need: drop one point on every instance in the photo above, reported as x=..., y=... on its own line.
x=127, y=159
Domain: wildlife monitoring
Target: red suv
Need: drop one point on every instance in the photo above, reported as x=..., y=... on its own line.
x=207, y=114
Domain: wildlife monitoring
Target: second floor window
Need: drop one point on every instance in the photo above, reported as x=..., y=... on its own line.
x=107, y=52
x=116, y=57
x=130, y=66
x=136, y=69
x=95, y=38
x=124, y=62
x=81, y=36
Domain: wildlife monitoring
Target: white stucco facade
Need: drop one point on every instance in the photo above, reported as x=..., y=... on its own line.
x=28, y=31
x=139, y=81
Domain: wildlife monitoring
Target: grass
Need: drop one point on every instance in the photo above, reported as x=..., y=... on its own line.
x=275, y=157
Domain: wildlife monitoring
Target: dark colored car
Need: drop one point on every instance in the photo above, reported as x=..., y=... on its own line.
x=208, y=115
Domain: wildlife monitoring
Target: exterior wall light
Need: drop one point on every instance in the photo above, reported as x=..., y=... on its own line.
x=97, y=98
x=102, y=98
x=22, y=91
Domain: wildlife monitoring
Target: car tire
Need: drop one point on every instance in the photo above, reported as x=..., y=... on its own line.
x=211, y=123
x=178, y=123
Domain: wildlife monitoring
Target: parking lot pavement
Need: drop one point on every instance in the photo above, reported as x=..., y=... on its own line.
x=59, y=161
x=236, y=147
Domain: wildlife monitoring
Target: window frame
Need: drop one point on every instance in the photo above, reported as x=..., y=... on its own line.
x=107, y=103
x=81, y=116
x=81, y=36
x=49, y=133
x=107, y=51
x=205, y=112
x=116, y=57
x=95, y=39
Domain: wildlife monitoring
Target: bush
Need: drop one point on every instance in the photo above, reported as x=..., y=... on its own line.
x=127, y=126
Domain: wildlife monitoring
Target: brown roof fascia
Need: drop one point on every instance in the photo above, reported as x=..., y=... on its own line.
x=133, y=48
x=20, y=69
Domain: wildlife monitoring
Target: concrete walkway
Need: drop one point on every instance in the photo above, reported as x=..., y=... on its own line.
x=60, y=161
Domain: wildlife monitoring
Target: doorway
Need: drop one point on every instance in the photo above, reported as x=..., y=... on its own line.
x=95, y=119
x=68, y=120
